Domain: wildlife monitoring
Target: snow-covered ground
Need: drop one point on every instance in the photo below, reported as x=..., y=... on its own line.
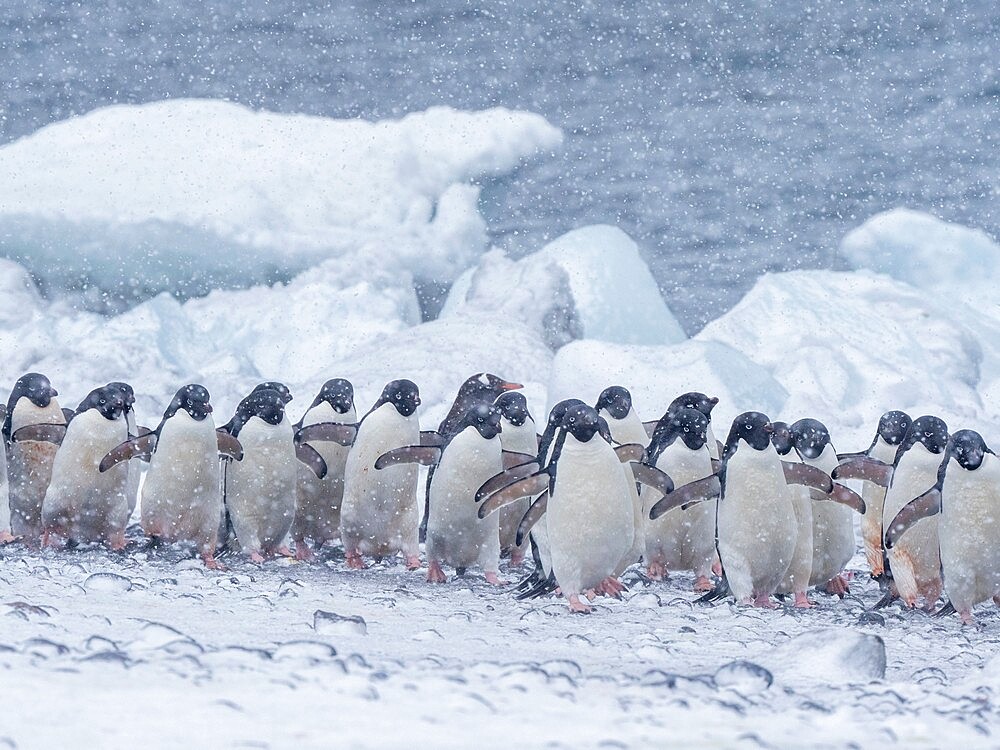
x=357, y=216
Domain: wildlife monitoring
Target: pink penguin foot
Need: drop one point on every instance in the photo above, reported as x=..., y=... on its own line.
x=116, y=542
x=283, y=551
x=211, y=563
x=612, y=587
x=435, y=574
x=764, y=601
x=657, y=571
x=256, y=557
x=703, y=583
x=302, y=552
x=967, y=618
x=6, y=537
x=412, y=562
x=493, y=580
x=575, y=605
x=996, y=600
x=838, y=586
x=517, y=558
x=354, y=561
x=802, y=601
x=717, y=566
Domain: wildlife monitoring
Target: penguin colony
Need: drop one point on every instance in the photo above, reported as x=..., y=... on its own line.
x=764, y=513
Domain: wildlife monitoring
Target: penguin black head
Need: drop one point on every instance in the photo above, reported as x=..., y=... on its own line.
x=265, y=403
x=582, y=422
x=893, y=426
x=513, y=407
x=35, y=387
x=193, y=399
x=688, y=424
x=929, y=431
x=338, y=393
x=108, y=400
x=554, y=423
x=753, y=428
x=694, y=400
x=968, y=448
x=402, y=394
x=485, y=418
x=281, y=388
x=486, y=386
x=811, y=438
x=616, y=401
x=782, y=439
x=127, y=394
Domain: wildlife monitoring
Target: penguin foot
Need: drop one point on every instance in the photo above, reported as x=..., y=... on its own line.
x=517, y=558
x=354, y=561
x=212, y=564
x=657, y=571
x=717, y=567
x=967, y=618
x=435, y=574
x=996, y=600
x=838, y=586
x=703, y=583
x=116, y=542
x=256, y=557
x=6, y=537
x=612, y=587
x=802, y=601
x=283, y=551
x=302, y=551
x=413, y=562
x=764, y=601
x=575, y=605
x=493, y=580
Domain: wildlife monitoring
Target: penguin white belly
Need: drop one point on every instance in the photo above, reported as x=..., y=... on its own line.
x=874, y=497
x=833, y=528
x=625, y=431
x=81, y=503
x=969, y=529
x=681, y=539
x=589, y=517
x=379, y=513
x=455, y=533
x=134, y=469
x=260, y=489
x=915, y=560
x=757, y=529
x=180, y=497
x=521, y=439
x=29, y=468
x=318, y=501
x=799, y=572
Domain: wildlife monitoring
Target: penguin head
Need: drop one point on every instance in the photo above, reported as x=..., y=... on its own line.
x=782, y=439
x=485, y=418
x=403, y=395
x=688, y=424
x=694, y=400
x=267, y=404
x=811, y=438
x=583, y=422
x=193, y=399
x=36, y=388
x=893, y=426
x=513, y=407
x=931, y=432
x=968, y=448
x=554, y=423
x=338, y=393
x=484, y=386
x=753, y=428
x=108, y=400
x=127, y=394
x=281, y=388
x=616, y=401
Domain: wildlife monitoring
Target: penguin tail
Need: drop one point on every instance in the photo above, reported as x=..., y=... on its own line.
x=718, y=593
x=947, y=609
x=888, y=598
x=543, y=587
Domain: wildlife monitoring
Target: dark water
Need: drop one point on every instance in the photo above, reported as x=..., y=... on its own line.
x=728, y=141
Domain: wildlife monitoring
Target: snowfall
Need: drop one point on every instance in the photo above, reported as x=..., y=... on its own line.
x=200, y=241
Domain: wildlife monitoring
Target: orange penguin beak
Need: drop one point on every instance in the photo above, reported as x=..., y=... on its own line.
x=511, y=386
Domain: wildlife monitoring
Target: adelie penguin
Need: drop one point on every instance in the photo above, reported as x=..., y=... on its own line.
x=260, y=489
x=915, y=560
x=379, y=514
x=584, y=494
x=134, y=472
x=517, y=435
x=481, y=388
x=82, y=503
x=796, y=580
x=692, y=400
x=456, y=535
x=318, y=500
x=966, y=496
x=32, y=429
x=5, y=536
x=181, y=501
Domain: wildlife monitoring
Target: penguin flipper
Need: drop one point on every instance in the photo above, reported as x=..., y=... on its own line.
x=531, y=517
x=513, y=458
x=41, y=433
x=927, y=504
x=527, y=487
x=707, y=488
x=847, y=496
x=844, y=457
x=504, y=479
x=630, y=452
x=227, y=444
x=652, y=477
x=68, y=414
x=328, y=432
x=432, y=438
x=868, y=469
x=311, y=458
x=809, y=476
x=137, y=447
x=425, y=455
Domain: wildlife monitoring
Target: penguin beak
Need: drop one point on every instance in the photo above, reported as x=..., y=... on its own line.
x=769, y=428
x=714, y=400
x=208, y=408
x=505, y=386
